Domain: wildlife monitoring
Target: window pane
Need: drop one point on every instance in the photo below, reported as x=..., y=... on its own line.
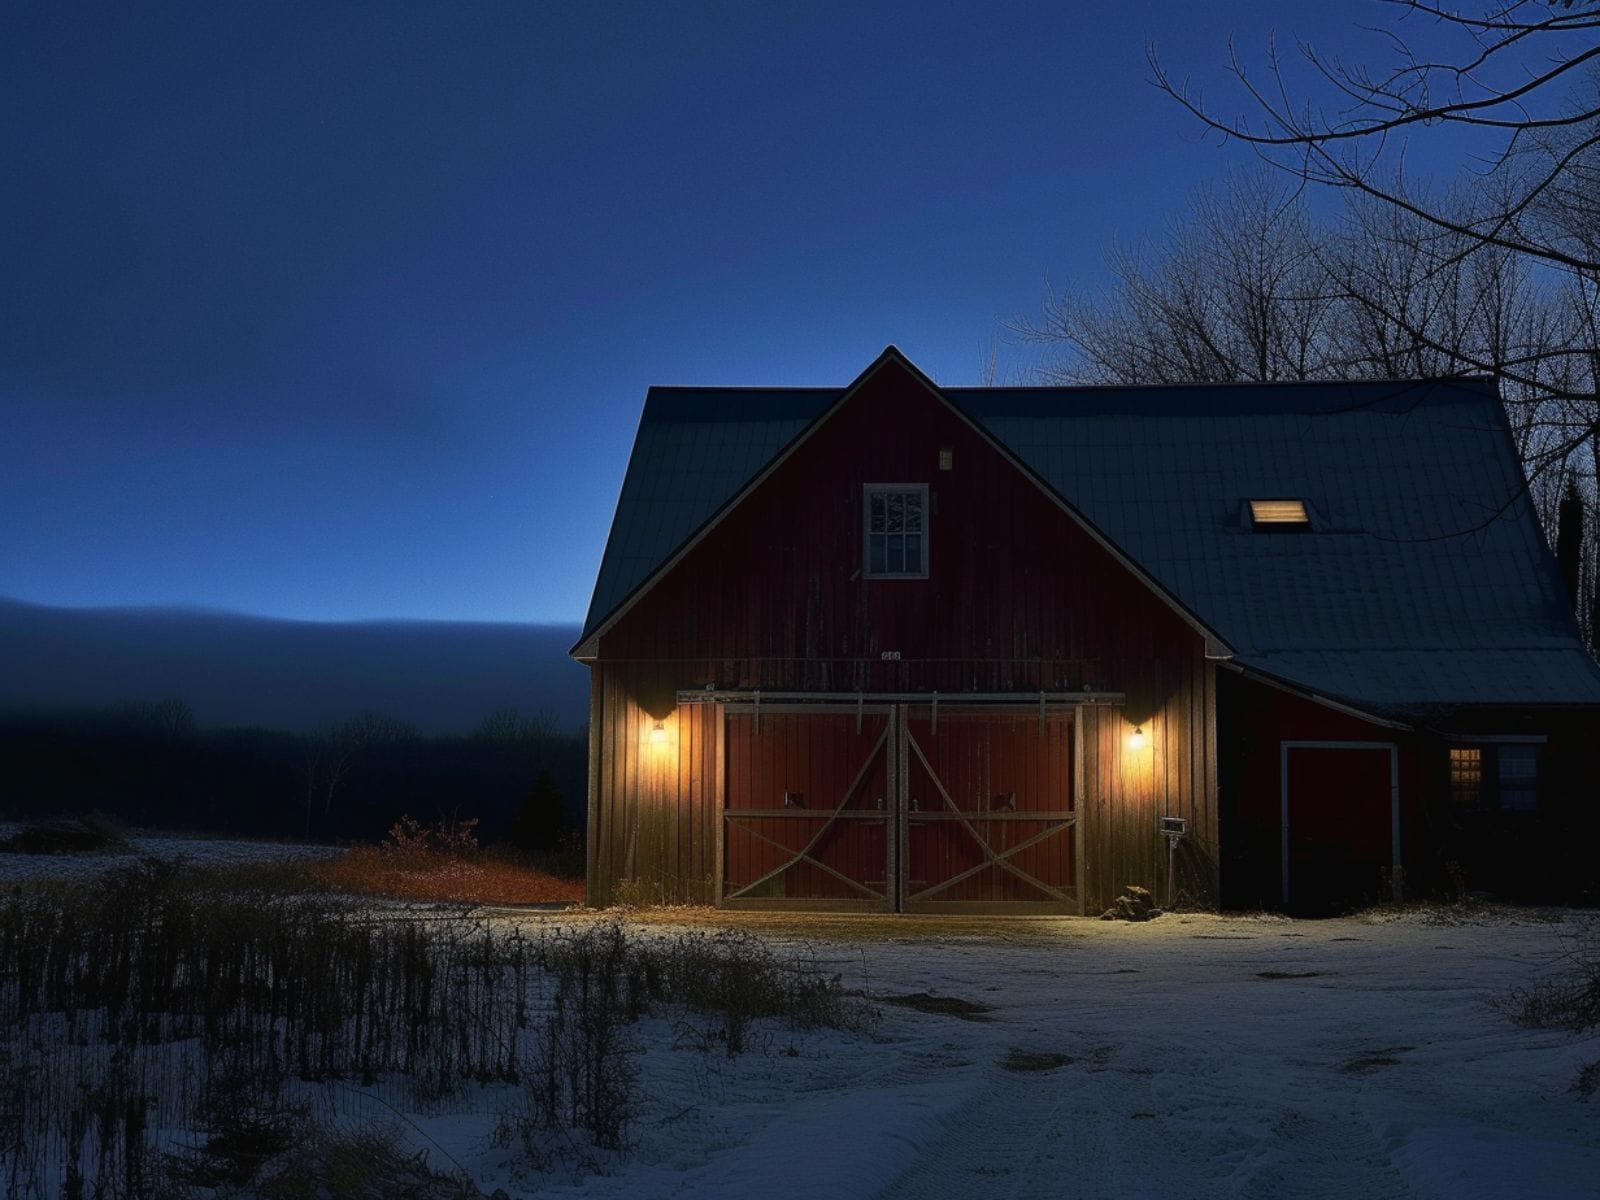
x=1466, y=775
x=897, y=522
x=1519, y=778
x=1519, y=764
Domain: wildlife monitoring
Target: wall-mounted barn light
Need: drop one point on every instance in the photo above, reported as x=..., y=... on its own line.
x=1136, y=738
x=658, y=734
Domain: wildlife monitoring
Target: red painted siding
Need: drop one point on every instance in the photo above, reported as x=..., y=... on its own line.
x=1258, y=719
x=1018, y=598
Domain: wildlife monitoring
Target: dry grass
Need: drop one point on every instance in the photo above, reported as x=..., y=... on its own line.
x=247, y=1011
x=430, y=875
x=365, y=1164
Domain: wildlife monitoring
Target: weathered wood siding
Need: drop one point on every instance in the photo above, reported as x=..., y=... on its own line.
x=1019, y=598
x=1126, y=792
x=655, y=809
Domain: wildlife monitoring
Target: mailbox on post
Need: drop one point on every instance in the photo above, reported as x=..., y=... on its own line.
x=1173, y=829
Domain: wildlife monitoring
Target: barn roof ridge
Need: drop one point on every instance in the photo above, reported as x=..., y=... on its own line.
x=598, y=619
x=1399, y=469
x=1198, y=385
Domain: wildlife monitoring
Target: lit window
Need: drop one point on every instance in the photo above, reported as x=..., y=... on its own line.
x=896, y=531
x=1279, y=514
x=1519, y=777
x=1466, y=776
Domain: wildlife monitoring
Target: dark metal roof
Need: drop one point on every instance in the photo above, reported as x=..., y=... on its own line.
x=1423, y=580
x=695, y=449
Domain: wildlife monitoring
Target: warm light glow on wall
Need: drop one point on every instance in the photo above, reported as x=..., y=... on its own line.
x=658, y=735
x=1136, y=738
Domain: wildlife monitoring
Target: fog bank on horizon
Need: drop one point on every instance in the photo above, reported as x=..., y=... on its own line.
x=231, y=669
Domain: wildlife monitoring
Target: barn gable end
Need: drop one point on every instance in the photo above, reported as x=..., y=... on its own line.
x=1021, y=606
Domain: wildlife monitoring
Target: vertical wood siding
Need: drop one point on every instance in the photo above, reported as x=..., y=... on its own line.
x=1018, y=599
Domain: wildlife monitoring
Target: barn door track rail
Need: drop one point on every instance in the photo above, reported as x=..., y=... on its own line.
x=766, y=699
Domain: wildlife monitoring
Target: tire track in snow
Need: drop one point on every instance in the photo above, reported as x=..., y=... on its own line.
x=1051, y=1135
x=1093, y=1129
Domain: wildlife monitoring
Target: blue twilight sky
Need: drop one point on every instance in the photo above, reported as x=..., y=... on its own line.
x=342, y=311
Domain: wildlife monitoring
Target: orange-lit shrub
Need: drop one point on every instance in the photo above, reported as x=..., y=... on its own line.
x=423, y=873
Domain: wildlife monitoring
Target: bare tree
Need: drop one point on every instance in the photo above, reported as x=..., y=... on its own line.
x=1506, y=76
x=507, y=726
x=1520, y=81
x=1245, y=285
x=1232, y=291
x=334, y=748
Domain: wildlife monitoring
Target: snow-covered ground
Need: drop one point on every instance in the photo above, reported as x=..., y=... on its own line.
x=202, y=851
x=1205, y=1057
x=1191, y=1058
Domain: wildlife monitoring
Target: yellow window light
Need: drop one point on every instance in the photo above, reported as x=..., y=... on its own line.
x=1278, y=512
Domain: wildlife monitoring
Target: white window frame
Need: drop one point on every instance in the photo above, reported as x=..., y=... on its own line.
x=869, y=490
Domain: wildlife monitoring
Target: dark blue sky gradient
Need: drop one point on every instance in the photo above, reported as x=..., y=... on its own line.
x=347, y=311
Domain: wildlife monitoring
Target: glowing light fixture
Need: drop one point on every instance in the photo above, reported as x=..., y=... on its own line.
x=658, y=735
x=1136, y=738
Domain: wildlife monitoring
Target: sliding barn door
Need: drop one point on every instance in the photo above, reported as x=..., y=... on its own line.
x=808, y=808
x=989, y=820
x=901, y=808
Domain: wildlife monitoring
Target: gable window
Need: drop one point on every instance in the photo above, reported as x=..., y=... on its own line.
x=1279, y=514
x=896, y=541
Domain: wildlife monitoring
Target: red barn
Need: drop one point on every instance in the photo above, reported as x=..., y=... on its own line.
x=907, y=648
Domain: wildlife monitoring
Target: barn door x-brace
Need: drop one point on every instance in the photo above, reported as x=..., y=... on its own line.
x=934, y=833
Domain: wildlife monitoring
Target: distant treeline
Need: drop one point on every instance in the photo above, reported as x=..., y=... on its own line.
x=150, y=764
